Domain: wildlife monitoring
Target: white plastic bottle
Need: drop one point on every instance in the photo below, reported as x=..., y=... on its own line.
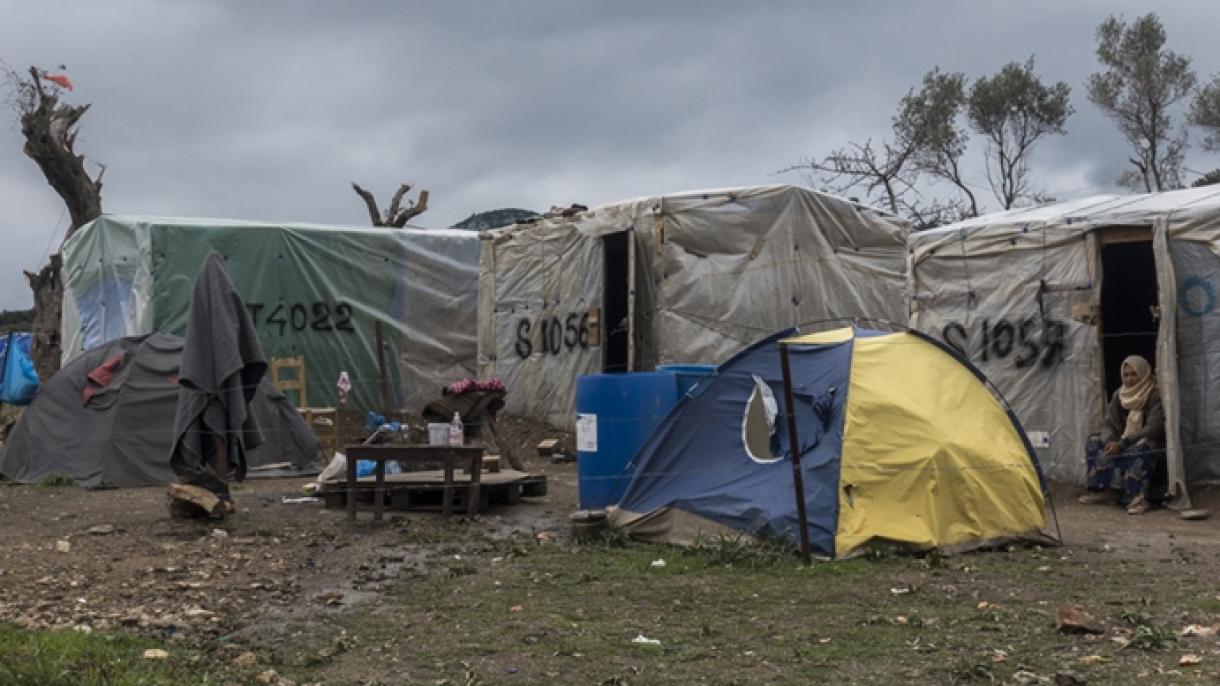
x=456, y=433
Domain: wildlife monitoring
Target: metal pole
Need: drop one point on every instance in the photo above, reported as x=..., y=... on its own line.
x=798, y=479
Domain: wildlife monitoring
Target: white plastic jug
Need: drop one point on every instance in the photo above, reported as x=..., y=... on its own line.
x=456, y=432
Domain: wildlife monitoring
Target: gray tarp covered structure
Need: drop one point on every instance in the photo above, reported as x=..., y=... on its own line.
x=1020, y=292
x=690, y=277
x=123, y=434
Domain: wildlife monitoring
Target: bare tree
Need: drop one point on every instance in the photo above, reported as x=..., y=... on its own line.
x=1013, y=110
x=925, y=140
x=885, y=176
x=1142, y=81
x=395, y=216
x=50, y=127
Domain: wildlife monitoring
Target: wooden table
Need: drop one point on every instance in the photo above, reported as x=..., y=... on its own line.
x=448, y=456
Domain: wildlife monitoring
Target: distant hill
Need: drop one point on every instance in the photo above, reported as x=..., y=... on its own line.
x=494, y=219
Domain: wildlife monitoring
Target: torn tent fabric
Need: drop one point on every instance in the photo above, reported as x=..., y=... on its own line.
x=900, y=441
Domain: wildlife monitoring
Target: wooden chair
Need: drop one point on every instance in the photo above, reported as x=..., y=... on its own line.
x=295, y=383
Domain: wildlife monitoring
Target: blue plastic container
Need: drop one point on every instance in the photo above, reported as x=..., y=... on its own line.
x=615, y=414
x=688, y=376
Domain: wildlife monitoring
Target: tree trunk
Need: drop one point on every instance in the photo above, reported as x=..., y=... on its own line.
x=45, y=348
x=394, y=216
x=49, y=127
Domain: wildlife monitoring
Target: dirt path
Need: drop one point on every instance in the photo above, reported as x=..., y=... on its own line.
x=115, y=560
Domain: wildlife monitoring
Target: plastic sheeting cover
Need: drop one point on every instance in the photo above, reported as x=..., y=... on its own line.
x=313, y=291
x=714, y=271
x=1019, y=293
x=18, y=378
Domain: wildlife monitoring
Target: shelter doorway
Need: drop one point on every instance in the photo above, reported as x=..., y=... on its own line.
x=616, y=302
x=1129, y=315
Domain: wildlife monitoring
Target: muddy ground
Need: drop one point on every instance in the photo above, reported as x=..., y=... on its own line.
x=114, y=560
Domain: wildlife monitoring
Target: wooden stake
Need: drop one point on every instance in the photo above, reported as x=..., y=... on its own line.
x=798, y=478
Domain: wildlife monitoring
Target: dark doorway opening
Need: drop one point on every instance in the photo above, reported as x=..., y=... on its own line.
x=615, y=293
x=1128, y=306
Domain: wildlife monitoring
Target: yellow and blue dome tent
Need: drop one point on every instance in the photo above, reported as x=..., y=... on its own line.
x=901, y=440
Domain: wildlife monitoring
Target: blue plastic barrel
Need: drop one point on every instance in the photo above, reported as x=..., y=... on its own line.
x=688, y=375
x=615, y=414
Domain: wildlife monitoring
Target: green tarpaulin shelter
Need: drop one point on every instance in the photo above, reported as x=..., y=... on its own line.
x=314, y=291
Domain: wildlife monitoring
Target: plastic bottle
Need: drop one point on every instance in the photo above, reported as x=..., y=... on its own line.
x=456, y=432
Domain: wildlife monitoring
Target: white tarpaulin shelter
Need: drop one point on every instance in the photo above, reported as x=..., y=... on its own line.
x=320, y=292
x=686, y=278
x=1049, y=300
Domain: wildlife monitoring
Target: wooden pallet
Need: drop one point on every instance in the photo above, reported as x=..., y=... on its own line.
x=423, y=491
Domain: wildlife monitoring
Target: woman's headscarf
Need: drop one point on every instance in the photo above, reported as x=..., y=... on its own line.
x=1134, y=398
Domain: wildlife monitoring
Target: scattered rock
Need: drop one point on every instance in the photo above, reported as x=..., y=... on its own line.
x=197, y=612
x=273, y=678
x=62, y=546
x=1074, y=619
x=220, y=534
x=1026, y=677
x=246, y=659
x=155, y=654
x=1190, y=660
x=329, y=598
x=1068, y=678
x=1092, y=660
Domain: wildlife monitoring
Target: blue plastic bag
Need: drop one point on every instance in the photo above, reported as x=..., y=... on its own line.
x=18, y=380
x=365, y=468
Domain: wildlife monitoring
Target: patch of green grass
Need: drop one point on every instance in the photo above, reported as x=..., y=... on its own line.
x=56, y=480
x=71, y=658
x=727, y=611
x=1148, y=635
x=729, y=551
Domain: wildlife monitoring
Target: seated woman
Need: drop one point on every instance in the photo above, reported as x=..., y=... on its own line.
x=1131, y=450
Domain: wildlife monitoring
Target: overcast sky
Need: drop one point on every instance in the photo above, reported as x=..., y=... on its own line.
x=268, y=110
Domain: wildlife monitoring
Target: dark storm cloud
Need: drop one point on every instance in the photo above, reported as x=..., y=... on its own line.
x=268, y=110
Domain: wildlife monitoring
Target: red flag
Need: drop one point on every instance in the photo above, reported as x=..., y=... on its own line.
x=61, y=79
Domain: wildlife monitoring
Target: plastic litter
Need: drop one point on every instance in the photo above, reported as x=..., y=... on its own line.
x=367, y=467
x=644, y=640
x=335, y=469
